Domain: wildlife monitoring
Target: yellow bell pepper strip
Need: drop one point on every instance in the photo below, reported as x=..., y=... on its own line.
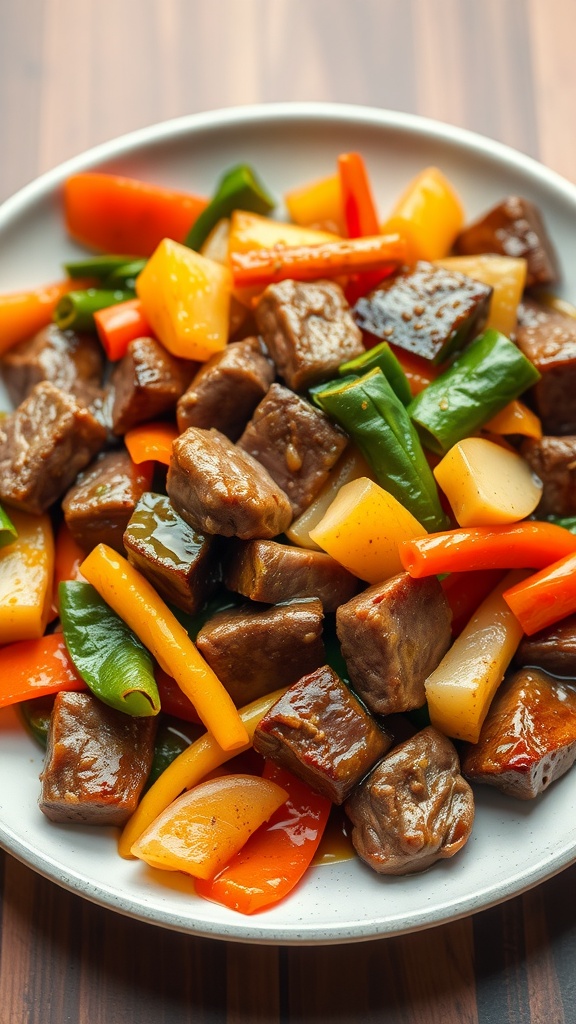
x=7, y=529
x=429, y=215
x=318, y=205
x=26, y=574
x=24, y=313
x=275, y=857
x=238, y=189
x=459, y=691
x=530, y=544
x=188, y=769
x=206, y=826
x=136, y=601
x=151, y=442
x=36, y=668
x=515, y=418
x=546, y=597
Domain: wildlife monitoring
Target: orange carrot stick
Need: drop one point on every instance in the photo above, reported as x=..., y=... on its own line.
x=24, y=313
x=118, y=325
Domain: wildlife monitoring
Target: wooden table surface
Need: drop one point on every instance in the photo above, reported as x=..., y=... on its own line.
x=75, y=74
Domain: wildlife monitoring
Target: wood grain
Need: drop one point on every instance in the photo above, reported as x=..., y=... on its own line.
x=73, y=75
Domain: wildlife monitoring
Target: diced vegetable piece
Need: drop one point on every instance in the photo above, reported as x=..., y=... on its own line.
x=460, y=690
x=186, y=300
x=515, y=418
x=357, y=200
x=546, y=597
x=350, y=466
x=22, y=314
x=136, y=601
x=117, y=215
x=362, y=529
x=507, y=277
x=36, y=668
x=119, y=324
x=238, y=189
x=151, y=442
x=26, y=572
x=7, y=529
x=429, y=215
x=318, y=205
x=486, y=484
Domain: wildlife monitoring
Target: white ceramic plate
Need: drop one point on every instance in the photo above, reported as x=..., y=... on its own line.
x=514, y=845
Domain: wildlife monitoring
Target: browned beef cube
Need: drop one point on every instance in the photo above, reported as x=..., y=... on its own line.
x=43, y=445
x=181, y=564
x=147, y=383
x=227, y=389
x=295, y=442
x=428, y=310
x=414, y=808
x=553, y=459
x=513, y=227
x=218, y=488
x=97, y=761
x=267, y=571
x=255, y=650
x=392, y=636
x=308, y=330
x=72, y=362
x=528, y=738
x=552, y=649
x=548, y=339
x=98, y=506
x=321, y=733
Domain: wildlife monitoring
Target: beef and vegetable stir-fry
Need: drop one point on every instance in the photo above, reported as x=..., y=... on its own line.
x=288, y=522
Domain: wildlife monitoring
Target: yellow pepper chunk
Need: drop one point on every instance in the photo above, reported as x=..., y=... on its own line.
x=26, y=577
x=350, y=466
x=318, y=205
x=362, y=529
x=487, y=484
x=507, y=277
x=186, y=300
x=429, y=215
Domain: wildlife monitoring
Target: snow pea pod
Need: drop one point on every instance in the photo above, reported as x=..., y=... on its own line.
x=238, y=189
x=112, y=661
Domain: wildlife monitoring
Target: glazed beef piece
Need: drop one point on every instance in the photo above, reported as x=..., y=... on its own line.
x=72, y=362
x=414, y=808
x=98, y=506
x=182, y=564
x=218, y=488
x=427, y=310
x=147, y=383
x=308, y=330
x=319, y=731
x=295, y=442
x=553, y=459
x=528, y=738
x=552, y=649
x=227, y=389
x=270, y=572
x=548, y=339
x=513, y=227
x=97, y=761
x=393, y=635
x=43, y=446
x=255, y=650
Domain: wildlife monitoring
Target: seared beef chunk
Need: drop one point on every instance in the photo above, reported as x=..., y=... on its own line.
x=414, y=808
x=267, y=571
x=552, y=649
x=147, y=383
x=308, y=330
x=528, y=738
x=97, y=761
x=218, y=488
x=513, y=228
x=255, y=650
x=553, y=459
x=393, y=635
x=427, y=310
x=72, y=362
x=295, y=442
x=98, y=506
x=180, y=563
x=548, y=339
x=43, y=445
x=321, y=733
x=227, y=389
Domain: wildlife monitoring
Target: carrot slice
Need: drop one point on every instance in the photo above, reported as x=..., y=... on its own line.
x=151, y=442
x=118, y=325
x=24, y=313
x=36, y=668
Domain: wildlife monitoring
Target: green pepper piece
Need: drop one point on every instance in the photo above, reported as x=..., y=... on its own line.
x=239, y=189
x=35, y=714
x=172, y=738
x=7, y=529
x=124, y=276
x=76, y=309
x=489, y=374
x=100, y=267
x=380, y=356
x=112, y=661
x=376, y=420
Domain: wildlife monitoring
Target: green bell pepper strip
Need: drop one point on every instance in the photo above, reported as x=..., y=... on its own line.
x=124, y=276
x=76, y=309
x=100, y=267
x=376, y=420
x=112, y=661
x=238, y=189
x=489, y=374
x=8, y=532
x=380, y=356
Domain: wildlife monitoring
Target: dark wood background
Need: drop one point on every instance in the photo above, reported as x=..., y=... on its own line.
x=73, y=74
